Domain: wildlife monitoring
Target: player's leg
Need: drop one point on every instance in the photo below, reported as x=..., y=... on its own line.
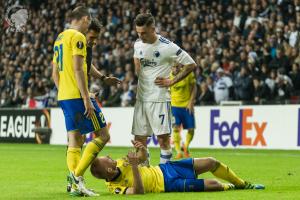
x=180, y=176
x=176, y=141
x=143, y=140
x=176, y=131
x=141, y=128
x=220, y=170
x=165, y=148
x=74, y=149
x=189, y=124
x=204, y=185
x=159, y=115
x=74, y=141
x=97, y=125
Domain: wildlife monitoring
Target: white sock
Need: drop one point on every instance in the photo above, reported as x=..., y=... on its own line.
x=165, y=155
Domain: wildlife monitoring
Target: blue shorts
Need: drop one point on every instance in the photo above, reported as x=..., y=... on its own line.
x=180, y=176
x=182, y=116
x=74, y=116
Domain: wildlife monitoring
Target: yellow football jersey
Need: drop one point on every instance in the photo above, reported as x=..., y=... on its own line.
x=152, y=178
x=181, y=91
x=69, y=43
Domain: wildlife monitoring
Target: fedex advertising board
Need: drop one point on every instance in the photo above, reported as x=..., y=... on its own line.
x=261, y=127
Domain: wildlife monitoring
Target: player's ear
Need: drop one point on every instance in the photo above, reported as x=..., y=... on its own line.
x=109, y=170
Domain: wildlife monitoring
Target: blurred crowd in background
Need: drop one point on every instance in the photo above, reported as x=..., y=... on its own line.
x=246, y=50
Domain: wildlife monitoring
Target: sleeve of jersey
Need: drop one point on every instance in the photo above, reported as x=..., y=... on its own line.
x=192, y=78
x=181, y=56
x=116, y=188
x=135, y=54
x=78, y=45
x=55, y=56
x=54, y=60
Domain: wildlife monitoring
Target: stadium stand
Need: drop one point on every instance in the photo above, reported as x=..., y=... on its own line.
x=256, y=43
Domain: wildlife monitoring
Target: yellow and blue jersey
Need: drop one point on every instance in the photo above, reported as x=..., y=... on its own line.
x=152, y=178
x=173, y=176
x=181, y=91
x=68, y=44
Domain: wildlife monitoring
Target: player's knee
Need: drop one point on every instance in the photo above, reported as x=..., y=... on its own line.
x=105, y=137
x=75, y=140
x=191, y=131
x=211, y=162
x=212, y=185
x=164, y=144
x=175, y=128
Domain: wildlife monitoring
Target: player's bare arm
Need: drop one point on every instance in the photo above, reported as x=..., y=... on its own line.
x=55, y=75
x=190, y=106
x=141, y=150
x=106, y=79
x=79, y=76
x=167, y=82
x=137, y=66
x=138, y=187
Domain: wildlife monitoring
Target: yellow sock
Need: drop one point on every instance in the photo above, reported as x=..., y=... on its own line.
x=176, y=140
x=189, y=138
x=73, y=157
x=90, y=152
x=224, y=172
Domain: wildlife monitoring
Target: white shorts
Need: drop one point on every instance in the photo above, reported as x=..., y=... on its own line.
x=152, y=118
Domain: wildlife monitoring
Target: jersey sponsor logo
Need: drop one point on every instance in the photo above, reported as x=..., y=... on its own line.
x=79, y=45
x=156, y=54
x=147, y=63
x=117, y=190
x=249, y=133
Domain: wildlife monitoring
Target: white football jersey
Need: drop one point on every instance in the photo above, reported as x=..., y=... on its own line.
x=157, y=60
x=221, y=88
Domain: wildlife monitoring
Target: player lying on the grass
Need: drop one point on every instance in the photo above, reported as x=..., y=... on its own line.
x=126, y=176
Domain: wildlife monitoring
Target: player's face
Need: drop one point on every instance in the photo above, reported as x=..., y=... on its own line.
x=145, y=33
x=175, y=70
x=91, y=38
x=111, y=163
x=85, y=23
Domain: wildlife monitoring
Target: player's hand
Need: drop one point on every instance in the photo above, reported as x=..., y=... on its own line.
x=111, y=81
x=94, y=95
x=163, y=82
x=190, y=108
x=133, y=158
x=138, y=145
x=89, y=108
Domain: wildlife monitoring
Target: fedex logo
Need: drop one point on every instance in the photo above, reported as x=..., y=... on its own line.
x=224, y=132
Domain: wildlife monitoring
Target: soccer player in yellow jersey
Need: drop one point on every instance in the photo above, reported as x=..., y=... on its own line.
x=82, y=114
x=183, y=96
x=126, y=176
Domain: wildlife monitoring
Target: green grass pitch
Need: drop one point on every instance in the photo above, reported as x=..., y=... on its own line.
x=39, y=172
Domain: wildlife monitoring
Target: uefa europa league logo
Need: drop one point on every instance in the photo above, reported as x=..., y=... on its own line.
x=16, y=16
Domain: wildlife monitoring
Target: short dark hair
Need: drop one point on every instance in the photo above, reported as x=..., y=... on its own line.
x=95, y=25
x=79, y=12
x=144, y=19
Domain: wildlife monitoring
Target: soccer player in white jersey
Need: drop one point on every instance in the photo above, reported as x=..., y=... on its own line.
x=154, y=57
x=223, y=87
